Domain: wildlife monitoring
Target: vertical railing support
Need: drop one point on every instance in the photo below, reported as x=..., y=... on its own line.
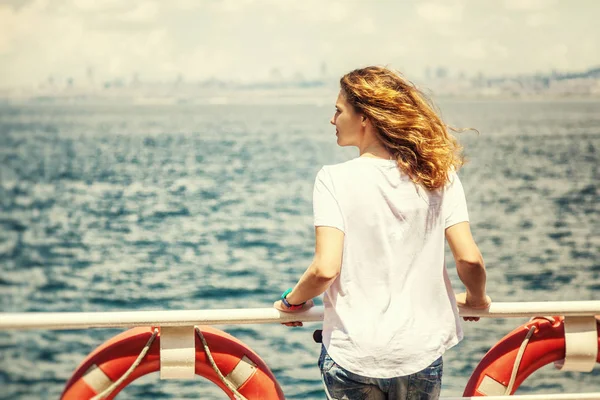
x=177, y=352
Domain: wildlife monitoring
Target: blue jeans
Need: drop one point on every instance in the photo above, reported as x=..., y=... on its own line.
x=341, y=384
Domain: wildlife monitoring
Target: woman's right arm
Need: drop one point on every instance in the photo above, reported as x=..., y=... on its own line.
x=469, y=264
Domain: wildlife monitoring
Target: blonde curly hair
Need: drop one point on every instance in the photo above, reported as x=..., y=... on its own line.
x=405, y=123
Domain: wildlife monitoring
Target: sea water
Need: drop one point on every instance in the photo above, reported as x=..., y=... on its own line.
x=115, y=207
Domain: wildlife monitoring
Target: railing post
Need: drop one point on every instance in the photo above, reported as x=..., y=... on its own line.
x=177, y=352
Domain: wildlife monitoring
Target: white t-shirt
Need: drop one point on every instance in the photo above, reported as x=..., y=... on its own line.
x=391, y=311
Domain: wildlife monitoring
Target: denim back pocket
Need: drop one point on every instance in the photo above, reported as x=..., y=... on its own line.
x=431, y=377
x=325, y=362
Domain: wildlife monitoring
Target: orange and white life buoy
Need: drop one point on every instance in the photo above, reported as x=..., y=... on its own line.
x=241, y=366
x=545, y=342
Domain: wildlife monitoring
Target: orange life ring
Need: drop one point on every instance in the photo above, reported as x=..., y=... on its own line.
x=114, y=357
x=546, y=345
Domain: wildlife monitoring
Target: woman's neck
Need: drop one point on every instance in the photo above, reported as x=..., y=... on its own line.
x=370, y=146
x=375, y=151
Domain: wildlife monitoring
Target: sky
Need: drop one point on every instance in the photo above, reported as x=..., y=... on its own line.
x=256, y=40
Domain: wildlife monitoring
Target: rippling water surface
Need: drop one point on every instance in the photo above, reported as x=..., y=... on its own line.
x=107, y=208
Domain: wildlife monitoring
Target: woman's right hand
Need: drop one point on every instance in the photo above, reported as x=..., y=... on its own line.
x=463, y=300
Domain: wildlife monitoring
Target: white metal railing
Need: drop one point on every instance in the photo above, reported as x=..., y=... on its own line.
x=84, y=320
x=126, y=319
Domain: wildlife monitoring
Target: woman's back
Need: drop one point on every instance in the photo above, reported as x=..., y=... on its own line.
x=392, y=311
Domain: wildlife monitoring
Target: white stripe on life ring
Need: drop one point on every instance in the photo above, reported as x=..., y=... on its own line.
x=581, y=344
x=242, y=372
x=96, y=379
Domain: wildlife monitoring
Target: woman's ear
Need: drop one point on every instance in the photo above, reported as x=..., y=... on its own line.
x=363, y=120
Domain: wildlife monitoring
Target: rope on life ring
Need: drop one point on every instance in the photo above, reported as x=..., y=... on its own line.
x=531, y=346
x=219, y=357
x=133, y=366
x=214, y=366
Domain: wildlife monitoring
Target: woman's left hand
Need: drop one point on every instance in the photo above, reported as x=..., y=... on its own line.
x=278, y=305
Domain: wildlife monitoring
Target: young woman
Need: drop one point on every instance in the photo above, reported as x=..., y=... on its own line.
x=380, y=221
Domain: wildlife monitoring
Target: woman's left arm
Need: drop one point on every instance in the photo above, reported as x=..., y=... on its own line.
x=322, y=272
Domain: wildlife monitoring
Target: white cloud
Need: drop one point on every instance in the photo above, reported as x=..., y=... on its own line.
x=441, y=12
x=186, y=5
x=7, y=22
x=96, y=6
x=338, y=11
x=232, y=6
x=474, y=50
x=366, y=26
x=499, y=51
x=143, y=12
x=15, y=25
x=528, y=5
x=540, y=19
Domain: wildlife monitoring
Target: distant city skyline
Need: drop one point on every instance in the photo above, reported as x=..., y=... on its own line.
x=277, y=79
x=262, y=40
